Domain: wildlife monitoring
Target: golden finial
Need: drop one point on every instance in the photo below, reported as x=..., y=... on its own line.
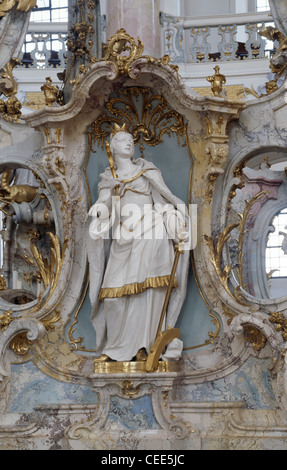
x=217, y=80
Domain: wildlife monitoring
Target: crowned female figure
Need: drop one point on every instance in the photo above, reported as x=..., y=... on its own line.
x=132, y=230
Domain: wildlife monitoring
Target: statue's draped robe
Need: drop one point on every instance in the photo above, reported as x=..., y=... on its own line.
x=130, y=273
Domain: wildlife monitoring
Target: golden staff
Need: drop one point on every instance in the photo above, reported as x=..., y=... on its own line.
x=164, y=337
x=112, y=164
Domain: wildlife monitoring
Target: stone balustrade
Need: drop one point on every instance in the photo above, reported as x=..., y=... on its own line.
x=216, y=38
x=185, y=40
x=45, y=46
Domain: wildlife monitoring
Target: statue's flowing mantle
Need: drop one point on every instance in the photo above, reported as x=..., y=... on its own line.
x=98, y=249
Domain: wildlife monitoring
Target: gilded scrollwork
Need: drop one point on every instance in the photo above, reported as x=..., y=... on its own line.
x=122, y=50
x=216, y=251
x=252, y=332
x=33, y=254
x=46, y=272
x=15, y=193
x=49, y=270
x=280, y=322
x=118, y=44
x=278, y=59
x=129, y=390
x=20, y=344
x=255, y=336
x=5, y=320
x=223, y=273
x=147, y=123
x=243, y=230
x=10, y=109
x=22, y=5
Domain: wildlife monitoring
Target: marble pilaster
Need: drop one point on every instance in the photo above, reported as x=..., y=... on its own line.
x=139, y=19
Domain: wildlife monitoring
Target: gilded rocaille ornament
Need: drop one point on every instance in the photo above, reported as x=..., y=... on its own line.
x=77, y=40
x=255, y=336
x=216, y=250
x=15, y=193
x=278, y=62
x=122, y=50
x=5, y=320
x=148, y=126
x=10, y=109
x=22, y=5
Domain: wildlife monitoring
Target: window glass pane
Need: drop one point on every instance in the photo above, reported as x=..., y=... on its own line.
x=43, y=3
x=60, y=15
x=262, y=5
x=50, y=10
x=276, y=258
x=59, y=3
x=40, y=16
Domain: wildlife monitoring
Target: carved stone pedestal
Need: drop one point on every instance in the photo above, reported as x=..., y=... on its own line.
x=158, y=386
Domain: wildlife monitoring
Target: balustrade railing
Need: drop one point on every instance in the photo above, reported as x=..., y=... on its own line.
x=222, y=38
x=45, y=46
x=185, y=40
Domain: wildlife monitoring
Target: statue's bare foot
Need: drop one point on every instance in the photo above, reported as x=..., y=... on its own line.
x=102, y=358
x=141, y=355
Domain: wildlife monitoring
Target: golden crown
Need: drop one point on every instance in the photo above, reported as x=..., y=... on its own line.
x=116, y=128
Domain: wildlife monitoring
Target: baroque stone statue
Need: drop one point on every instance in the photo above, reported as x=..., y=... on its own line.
x=132, y=229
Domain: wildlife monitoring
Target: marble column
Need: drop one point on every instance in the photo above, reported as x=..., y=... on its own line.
x=140, y=18
x=83, y=45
